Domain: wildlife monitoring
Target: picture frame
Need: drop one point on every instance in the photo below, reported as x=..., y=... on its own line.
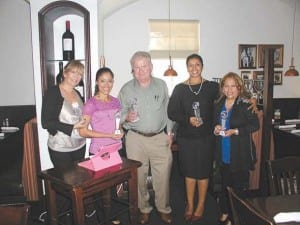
x=258, y=75
x=278, y=55
x=277, y=77
x=246, y=75
x=247, y=56
x=258, y=86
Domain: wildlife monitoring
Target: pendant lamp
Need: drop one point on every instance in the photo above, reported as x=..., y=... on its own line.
x=292, y=71
x=170, y=71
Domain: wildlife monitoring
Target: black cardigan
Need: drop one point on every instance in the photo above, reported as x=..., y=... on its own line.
x=51, y=107
x=242, y=153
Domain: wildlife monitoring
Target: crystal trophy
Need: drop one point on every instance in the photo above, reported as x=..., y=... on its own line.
x=133, y=108
x=196, y=108
x=117, y=120
x=224, y=116
x=77, y=112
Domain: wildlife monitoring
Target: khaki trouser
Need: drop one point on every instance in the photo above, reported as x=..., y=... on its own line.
x=156, y=151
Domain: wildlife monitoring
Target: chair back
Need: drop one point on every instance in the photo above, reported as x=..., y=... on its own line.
x=284, y=176
x=243, y=213
x=16, y=214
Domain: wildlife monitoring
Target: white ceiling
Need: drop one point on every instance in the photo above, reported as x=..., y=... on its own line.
x=108, y=7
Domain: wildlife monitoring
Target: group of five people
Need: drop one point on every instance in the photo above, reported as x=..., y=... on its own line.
x=213, y=122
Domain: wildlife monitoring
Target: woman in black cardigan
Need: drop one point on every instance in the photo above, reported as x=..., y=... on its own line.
x=62, y=117
x=235, y=150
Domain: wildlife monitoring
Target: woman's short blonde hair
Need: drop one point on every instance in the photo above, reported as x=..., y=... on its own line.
x=74, y=65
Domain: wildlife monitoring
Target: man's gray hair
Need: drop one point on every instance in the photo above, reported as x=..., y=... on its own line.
x=140, y=54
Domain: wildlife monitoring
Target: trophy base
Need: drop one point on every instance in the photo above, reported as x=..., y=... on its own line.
x=200, y=120
x=222, y=133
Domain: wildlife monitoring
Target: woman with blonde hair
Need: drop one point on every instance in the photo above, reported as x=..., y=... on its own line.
x=61, y=116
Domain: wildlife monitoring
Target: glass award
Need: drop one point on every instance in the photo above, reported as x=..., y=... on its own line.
x=196, y=109
x=117, y=121
x=77, y=113
x=133, y=108
x=224, y=116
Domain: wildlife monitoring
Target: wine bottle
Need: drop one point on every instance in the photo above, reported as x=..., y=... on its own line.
x=68, y=43
x=59, y=76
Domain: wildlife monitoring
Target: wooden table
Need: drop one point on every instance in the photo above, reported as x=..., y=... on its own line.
x=271, y=205
x=78, y=183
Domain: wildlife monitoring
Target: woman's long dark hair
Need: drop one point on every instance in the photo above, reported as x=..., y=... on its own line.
x=99, y=73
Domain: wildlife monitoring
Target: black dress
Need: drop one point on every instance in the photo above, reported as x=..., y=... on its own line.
x=195, y=144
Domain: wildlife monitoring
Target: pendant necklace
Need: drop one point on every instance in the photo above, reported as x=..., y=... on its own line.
x=195, y=92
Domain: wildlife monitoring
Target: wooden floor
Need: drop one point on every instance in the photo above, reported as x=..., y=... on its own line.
x=177, y=201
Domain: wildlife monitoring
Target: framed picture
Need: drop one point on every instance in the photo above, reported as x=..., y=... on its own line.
x=258, y=75
x=278, y=55
x=258, y=86
x=277, y=77
x=247, y=56
x=246, y=75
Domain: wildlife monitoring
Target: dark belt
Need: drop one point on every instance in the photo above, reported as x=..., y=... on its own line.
x=146, y=134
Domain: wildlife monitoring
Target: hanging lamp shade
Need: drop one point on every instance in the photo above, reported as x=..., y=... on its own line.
x=170, y=72
x=292, y=71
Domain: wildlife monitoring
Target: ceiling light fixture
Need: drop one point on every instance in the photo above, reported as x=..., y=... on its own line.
x=292, y=71
x=170, y=71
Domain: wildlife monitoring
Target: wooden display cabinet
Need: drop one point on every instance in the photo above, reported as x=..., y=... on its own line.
x=50, y=42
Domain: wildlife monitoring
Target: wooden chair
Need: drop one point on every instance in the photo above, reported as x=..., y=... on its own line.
x=14, y=214
x=284, y=176
x=243, y=213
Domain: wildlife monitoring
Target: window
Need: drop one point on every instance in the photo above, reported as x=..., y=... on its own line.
x=184, y=40
x=180, y=37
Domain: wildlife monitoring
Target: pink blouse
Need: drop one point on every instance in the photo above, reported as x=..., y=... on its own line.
x=102, y=119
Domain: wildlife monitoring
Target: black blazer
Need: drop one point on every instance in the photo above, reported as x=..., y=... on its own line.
x=242, y=151
x=51, y=107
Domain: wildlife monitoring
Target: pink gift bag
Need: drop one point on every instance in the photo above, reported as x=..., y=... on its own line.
x=107, y=156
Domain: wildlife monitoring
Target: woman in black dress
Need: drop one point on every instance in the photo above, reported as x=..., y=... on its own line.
x=191, y=107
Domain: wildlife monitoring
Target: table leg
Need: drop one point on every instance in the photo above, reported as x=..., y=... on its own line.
x=78, y=206
x=133, y=197
x=107, y=205
x=51, y=203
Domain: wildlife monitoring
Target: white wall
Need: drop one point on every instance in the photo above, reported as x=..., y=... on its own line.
x=223, y=24
x=16, y=72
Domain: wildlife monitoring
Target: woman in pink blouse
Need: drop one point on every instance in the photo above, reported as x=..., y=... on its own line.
x=102, y=111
